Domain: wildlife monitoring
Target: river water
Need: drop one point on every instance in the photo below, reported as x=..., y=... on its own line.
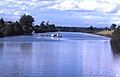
x=73, y=55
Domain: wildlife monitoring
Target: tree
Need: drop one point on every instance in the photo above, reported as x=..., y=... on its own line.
x=36, y=28
x=26, y=20
x=47, y=23
x=47, y=27
x=2, y=27
x=1, y=23
x=106, y=28
x=118, y=27
x=115, y=41
x=27, y=23
x=52, y=28
x=9, y=29
x=42, y=26
x=42, y=23
x=18, y=28
x=113, y=26
x=91, y=28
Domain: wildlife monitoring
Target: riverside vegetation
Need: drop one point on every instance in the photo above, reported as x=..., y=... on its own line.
x=25, y=26
x=115, y=41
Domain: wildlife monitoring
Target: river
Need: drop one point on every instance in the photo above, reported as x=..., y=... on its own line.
x=73, y=55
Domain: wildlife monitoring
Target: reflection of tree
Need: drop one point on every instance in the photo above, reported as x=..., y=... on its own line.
x=1, y=48
x=115, y=47
x=25, y=46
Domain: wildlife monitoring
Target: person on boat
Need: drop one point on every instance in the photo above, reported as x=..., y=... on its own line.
x=33, y=32
x=56, y=35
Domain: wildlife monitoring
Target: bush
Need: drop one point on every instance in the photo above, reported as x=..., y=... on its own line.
x=115, y=41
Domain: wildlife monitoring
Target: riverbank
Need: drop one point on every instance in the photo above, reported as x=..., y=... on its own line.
x=106, y=33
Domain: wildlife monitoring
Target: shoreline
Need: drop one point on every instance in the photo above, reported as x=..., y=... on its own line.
x=105, y=33
x=97, y=33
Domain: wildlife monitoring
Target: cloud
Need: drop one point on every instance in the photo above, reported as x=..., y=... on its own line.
x=76, y=5
x=65, y=5
x=17, y=13
x=86, y=5
x=64, y=12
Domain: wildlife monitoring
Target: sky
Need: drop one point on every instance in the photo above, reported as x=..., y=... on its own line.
x=79, y=13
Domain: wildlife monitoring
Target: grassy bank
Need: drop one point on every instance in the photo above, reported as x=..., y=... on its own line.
x=105, y=33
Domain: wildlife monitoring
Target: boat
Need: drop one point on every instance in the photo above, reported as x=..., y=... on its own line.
x=33, y=32
x=56, y=35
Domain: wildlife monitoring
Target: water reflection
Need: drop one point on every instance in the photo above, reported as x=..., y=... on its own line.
x=115, y=46
x=13, y=59
x=56, y=59
x=1, y=48
x=68, y=58
x=25, y=47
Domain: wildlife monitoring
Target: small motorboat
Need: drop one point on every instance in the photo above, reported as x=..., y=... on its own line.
x=56, y=35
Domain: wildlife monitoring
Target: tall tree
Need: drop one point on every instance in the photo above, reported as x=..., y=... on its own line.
x=27, y=23
x=113, y=26
x=42, y=26
x=26, y=20
x=2, y=23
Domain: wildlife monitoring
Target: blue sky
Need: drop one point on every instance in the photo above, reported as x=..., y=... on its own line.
x=82, y=13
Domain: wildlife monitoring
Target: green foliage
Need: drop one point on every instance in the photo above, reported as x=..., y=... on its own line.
x=42, y=26
x=24, y=26
x=51, y=28
x=18, y=28
x=1, y=23
x=115, y=41
x=9, y=29
x=2, y=27
x=1, y=34
x=47, y=27
x=27, y=23
x=26, y=20
x=113, y=26
x=36, y=28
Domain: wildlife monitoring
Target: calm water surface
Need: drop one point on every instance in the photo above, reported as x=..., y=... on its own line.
x=73, y=55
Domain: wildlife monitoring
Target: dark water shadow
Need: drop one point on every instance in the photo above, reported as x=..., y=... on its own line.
x=25, y=47
x=115, y=46
x=1, y=48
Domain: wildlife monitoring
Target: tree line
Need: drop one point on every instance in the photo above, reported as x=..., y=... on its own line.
x=25, y=26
